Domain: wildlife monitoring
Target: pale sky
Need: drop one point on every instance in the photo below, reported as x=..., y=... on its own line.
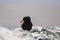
x=28, y=1
x=42, y=12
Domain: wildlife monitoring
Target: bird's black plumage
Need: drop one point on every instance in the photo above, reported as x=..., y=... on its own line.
x=27, y=25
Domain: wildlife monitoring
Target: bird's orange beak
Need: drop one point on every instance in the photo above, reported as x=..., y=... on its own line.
x=21, y=21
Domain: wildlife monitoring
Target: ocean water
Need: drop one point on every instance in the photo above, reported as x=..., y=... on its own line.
x=35, y=34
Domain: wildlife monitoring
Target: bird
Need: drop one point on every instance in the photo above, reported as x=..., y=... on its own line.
x=27, y=24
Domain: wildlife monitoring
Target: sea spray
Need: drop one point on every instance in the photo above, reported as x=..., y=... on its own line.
x=20, y=34
x=6, y=34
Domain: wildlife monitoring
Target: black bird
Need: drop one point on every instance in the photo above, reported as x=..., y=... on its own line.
x=27, y=24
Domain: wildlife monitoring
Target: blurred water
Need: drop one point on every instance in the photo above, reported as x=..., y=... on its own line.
x=19, y=34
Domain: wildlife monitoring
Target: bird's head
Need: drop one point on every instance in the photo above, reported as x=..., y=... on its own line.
x=25, y=19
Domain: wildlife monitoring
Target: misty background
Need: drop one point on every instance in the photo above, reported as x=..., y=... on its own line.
x=42, y=12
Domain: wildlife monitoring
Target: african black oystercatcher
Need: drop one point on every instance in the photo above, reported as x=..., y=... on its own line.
x=27, y=24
